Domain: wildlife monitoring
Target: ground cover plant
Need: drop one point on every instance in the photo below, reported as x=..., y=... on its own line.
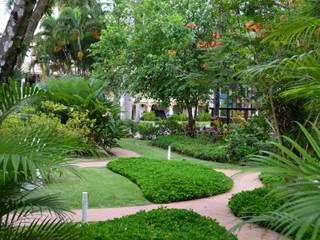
x=254, y=203
x=171, y=181
x=170, y=224
x=195, y=147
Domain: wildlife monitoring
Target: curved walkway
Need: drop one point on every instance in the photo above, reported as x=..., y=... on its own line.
x=118, y=152
x=215, y=207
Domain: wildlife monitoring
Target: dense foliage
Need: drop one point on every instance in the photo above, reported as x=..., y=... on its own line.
x=299, y=166
x=161, y=223
x=151, y=130
x=82, y=103
x=170, y=181
x=61, y=46
x=254, y=203
x=194, y=147
x=28, y=158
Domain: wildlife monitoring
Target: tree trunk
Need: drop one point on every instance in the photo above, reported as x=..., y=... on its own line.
x=216, y=102
x=37, y=14
x=12, y=39
x=191, y=127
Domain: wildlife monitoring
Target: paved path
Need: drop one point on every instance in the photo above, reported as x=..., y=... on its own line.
x=118, y=152
x=215, y=207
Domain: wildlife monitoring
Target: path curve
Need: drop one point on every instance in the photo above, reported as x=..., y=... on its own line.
x=215, y=207
x=118, y=152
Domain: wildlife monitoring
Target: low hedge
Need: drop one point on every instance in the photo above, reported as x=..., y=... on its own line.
x=194, y=147
x=169, y=224
x=254, y=203
x=270, y=180
x=163, y=181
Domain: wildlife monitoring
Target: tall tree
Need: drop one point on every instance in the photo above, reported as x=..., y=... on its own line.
x=39, y=10
x=12, y=39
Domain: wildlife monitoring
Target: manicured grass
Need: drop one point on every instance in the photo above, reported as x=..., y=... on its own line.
x=169, y=224
x=105, y=189
x=254, y=203
x=194, y=147
x=145, y=149
x=163, y=181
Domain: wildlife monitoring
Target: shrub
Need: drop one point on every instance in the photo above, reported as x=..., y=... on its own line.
x=254, y=203
x=150, y=116
x=179, y=117
x=131, y=127
x=168, y=127
x=248, y=139
x=164, y=181
x=16, y=123
x=194, y=147
x=270, y=180
x=88, y=97
x=147, y=131
x=170, y=224
x=204, y=117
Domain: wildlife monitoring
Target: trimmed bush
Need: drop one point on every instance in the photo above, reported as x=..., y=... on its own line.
x=164, y=181
x=150, y=116
x=169, y=224
x=254, y=203
x=204, y=117
x=194, y=147
x=179, y=117
x=270, y=180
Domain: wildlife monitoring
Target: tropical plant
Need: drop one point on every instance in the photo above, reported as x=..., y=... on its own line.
x=61, y=45
x=88, y=97
x=27, y=159
x=15, y=95
x=299, y=216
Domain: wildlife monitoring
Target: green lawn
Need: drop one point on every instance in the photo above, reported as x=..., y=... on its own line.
x=105, y=189
x=145, y=149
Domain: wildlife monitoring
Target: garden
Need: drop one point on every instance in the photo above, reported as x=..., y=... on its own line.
x=160, y=120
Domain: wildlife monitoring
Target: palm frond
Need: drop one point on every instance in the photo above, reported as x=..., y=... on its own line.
x=14, y=95
x=299, y=216
x=49, y=229
x=301, y=30
x=23, y=153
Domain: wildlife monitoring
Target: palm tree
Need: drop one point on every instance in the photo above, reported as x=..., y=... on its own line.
x=64, y=40
x=26, y=160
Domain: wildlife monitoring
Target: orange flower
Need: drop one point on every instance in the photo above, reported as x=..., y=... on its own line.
x=219, y=43
x=202, y=44
x=191, y=25
x=219, y=35
x=171, y=52
x=256, y=27
x=212, y=44
x=248, y=25
x=57, y=49
x=213, y=35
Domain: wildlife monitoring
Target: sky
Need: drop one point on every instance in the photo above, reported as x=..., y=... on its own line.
x=4, y=15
